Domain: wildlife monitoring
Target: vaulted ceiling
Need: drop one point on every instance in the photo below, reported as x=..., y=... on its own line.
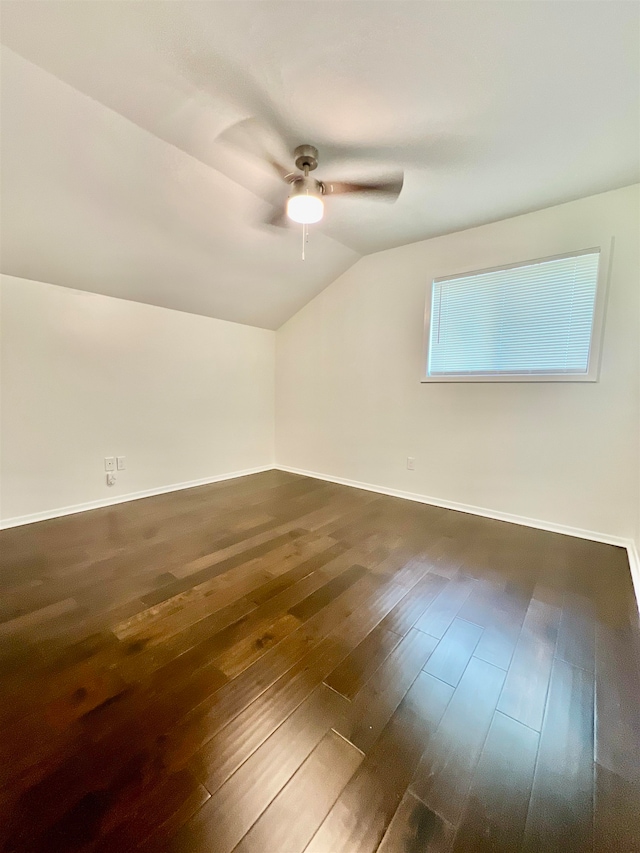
x=115, y=179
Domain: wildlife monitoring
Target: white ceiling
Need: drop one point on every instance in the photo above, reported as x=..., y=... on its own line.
x=114, y=180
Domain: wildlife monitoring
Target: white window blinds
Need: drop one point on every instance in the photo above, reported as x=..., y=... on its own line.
x=534, y=318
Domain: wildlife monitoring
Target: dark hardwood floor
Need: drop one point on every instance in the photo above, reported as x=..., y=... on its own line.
x=276, y=664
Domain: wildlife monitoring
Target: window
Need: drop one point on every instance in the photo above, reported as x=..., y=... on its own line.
x=531, y=321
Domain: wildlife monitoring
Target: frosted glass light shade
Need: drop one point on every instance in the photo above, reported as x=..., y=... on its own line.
x=305, y=209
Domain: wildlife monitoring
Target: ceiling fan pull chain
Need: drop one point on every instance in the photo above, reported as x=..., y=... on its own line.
x=303, y=239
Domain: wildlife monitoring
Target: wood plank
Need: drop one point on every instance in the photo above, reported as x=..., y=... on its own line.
x=164, y=807
x=296, y=573
x=119, y=753
x=212, y=566
x=285, y=661
x=362, y=813
x=444, y=609
x=247, y=640
x=356, y=669
x=486, y=595
x=191, y=676
x=142, y=655
x=233, y=808
x=340, y=617
x=525, y=690
x=617, y=692
x=40, y=682
x=27, y=743
x=407, y=612
x=153, y=625
x=294, y=553
x=416, y=828
x=243, y=640
x=375, y=704
x=323, y=596
x=561, y=810
x=445, y=773
x=92, y=687
x=501, y=635
x=576, y=637
x=403, y=568
x=230, y=747
x=617, y=806
x=264, y=635
x=294, y=816
x=453, y=652
x=496, y=811
x=37, y=617
x=358, y=611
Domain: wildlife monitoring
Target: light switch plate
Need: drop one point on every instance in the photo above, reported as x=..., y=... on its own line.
x=109, y=463
x=121, y=462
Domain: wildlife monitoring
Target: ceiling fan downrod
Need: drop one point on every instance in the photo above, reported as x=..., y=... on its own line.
x=306, y=158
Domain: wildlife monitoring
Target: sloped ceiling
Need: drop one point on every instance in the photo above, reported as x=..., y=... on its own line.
x=115, y=181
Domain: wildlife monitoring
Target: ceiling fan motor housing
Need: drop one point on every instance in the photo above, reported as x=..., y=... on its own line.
x=306, y=158
x=303, y=185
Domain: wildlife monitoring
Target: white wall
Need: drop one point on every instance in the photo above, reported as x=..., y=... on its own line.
x=350, y=404
x=84, y=376
x=189, y=398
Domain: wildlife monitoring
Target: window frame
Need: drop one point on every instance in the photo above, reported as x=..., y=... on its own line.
x=597, y=332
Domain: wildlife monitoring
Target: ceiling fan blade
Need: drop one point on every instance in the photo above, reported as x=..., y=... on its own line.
x=278, y=218
x=251, y=137
x=231, y=82
x=385, y=189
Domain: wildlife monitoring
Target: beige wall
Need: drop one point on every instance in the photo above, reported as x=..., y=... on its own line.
x=84, y=376
x=350, y=404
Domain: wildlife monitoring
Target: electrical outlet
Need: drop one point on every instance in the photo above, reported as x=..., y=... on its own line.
x=121, y=463
x=109, y=463
x=411, y=463
x=111, y=479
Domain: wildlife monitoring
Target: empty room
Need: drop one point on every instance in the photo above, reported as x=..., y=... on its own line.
x=320, y=426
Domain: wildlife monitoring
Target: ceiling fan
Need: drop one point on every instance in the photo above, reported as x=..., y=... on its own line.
x=304, y=202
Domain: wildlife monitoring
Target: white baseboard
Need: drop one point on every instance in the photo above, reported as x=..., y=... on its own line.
x=634, y=565
x=120, y=499
x=553, y=527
